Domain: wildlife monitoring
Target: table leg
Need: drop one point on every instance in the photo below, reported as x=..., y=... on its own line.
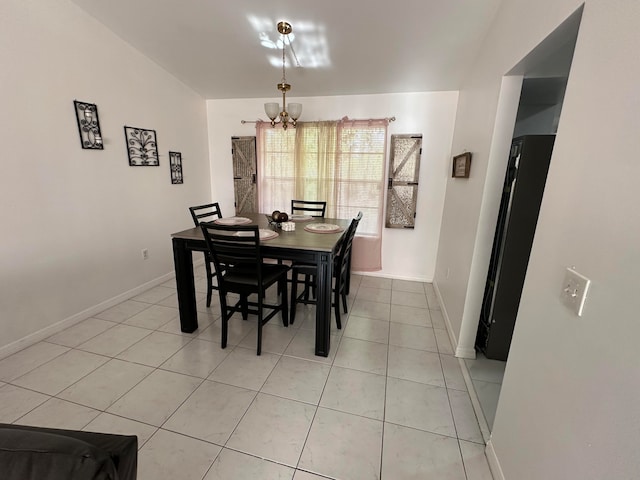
x=183, y=264
x=323, y=304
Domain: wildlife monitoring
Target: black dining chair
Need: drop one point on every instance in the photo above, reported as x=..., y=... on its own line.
x=313, y=208
x=240, y=269
x=307, y=207
x=341, y=272
x=201, y=214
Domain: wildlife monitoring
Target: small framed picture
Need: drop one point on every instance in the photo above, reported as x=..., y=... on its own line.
x=461, y=165
x=175, y=164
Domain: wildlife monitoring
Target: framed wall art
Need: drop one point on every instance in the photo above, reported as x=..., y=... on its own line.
x=461, y=165
x=175, y=164
x=88, y=125
x=142, y=147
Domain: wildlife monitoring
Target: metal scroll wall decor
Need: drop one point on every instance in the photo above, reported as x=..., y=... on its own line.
x=88, y=125
x=175, y=163
x=142, y=147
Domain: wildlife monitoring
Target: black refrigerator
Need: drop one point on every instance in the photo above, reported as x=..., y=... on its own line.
x=517, y=217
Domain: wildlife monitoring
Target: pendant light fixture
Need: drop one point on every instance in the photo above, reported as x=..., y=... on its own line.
x=289, y=113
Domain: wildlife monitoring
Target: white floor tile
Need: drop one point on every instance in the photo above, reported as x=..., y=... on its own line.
x=421, y=406
x=171, y=455
x=274, y=429
x=153, y=317
x=415, y=365
x=367, y=329
x=26, y=360
x=475, y=461
x=107, y=423
x=375, y=310
x=444, y=343
x=239, y=466
x=122, y=311
x=412, y=336
x=488, y=394
x=452, y=372
x=243, y=368
x=408, y=286
x=238, y=329
x=154, y=295
x=16, y=402
x=114, y=340
x=409, y=299
x=106, y=384
x=303, y=346
x=376, y=282
x=464, y=417
x=212, y=412
x=410, y=315
x=81, y=332
x=437, y=320
x=411, y=454
x=369, y=294
x=356, y=392
x=275, y=338
x=297, y=379
x=345, y=446
x=61, y=372
x=486, y=370
x=155, y=398
x=198, y=358
x=56, y=413
x=154, y=349
x=361, y=355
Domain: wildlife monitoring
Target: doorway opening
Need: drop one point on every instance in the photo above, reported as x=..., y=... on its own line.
x=544, y=72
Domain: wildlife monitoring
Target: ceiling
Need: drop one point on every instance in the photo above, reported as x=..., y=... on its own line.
x=344, y=47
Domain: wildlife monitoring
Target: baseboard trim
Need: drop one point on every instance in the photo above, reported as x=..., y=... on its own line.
x=393, y=277
x=45, y=332
x=494, y=463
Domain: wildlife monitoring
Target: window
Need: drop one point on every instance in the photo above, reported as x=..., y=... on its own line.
x=340, y=162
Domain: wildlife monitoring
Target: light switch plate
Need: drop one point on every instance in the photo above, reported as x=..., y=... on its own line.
x=574, y=290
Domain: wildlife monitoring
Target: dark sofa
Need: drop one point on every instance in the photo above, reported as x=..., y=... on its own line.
x=34, y=453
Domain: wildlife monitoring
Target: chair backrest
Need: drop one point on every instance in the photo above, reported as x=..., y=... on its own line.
x=205, y=213
x=344, y=251
x=234, y=246
x=307, y=207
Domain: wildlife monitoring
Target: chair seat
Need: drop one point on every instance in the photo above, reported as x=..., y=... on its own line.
x=243, y=277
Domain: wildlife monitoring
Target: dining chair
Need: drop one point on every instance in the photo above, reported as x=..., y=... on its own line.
x=313, y=208
x=207, y=213
x=308, y=207
x=240, y=269
x=341, y=272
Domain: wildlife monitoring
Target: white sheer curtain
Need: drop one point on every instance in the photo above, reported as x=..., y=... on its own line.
x=340, y=162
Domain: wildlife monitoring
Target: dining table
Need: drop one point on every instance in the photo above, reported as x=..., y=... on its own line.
x=308, y=244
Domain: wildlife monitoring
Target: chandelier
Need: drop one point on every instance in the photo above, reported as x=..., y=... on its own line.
x=289, y=113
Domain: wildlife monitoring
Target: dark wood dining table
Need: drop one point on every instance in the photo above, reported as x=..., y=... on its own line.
x=298, y=245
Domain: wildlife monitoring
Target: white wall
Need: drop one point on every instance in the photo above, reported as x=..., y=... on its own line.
x=569, y=404
x=407, y=254
x=74, y=221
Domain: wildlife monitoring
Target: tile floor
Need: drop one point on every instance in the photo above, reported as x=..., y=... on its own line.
x=486, y=376
x=389, y=403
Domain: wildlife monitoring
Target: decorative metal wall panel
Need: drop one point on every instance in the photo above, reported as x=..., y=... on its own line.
x=244, y=174
x=88, y=125
x=404, y=169
x=142, y=147
x=175, y=164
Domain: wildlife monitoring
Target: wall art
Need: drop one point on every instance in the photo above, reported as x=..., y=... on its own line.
x=461, y=165
x=175, y=164
x=88, y=125
x=142, y=147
